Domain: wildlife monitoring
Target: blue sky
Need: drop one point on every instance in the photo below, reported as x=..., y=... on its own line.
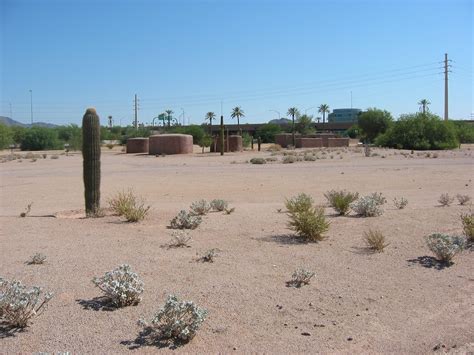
x=261, y=55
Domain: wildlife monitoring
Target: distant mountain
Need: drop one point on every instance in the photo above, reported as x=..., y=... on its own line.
x=7, y=121
x=280, y=121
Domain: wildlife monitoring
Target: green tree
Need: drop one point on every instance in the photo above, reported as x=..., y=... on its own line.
x=70, y=134
x=293, y=112
x=40, y=138
x=305, y=125
x=168, y=116
x=419, y=131
x=209, y=117
x=424, y=105
x=374, y=122
x=18, y=133
x=267, y=132
x=6, y=136
x=465, y=131
x=205, y=142
x=323, y=108
x=237, y=112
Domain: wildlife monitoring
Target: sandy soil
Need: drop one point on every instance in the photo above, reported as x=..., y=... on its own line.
x=359, y=302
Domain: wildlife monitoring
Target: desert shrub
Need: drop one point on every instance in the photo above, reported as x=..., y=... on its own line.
x=219, y=205
x=464, y=131
x=258, y=161
x=445, y=199
x=54, y=156
x=122, y=286
x=375, y=240
x=246, y=140
x=463, y=199
x=468, y=226
x=110, y=145
x=6, y=136
x=400, y=203
x=444, y=246
x=306, y=220
x=274, y=148
x=176, y=322
x=309, y=157
x=369, y=206
x=289, y=159
x=37, y=259
x=267, y=132
x=185, y=220
x=229, y=210
x=40, y=138
x=300, y=278
x=180, y=239
x=341, y=200
x=420, y=132
x=137, y=211
x=208, y=256
x=18, y=303
x=126, y=204
x=200, y=208
x=373, y=122
x=270, y=159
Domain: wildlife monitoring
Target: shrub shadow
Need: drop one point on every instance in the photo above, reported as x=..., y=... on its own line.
x=101, y=303
x=147, y=338
x=286, y=239
x=362, y=251
x=6, y=330
x=430, y=262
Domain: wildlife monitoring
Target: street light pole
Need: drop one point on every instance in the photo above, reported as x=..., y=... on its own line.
x=279, y=116
x=31, y=105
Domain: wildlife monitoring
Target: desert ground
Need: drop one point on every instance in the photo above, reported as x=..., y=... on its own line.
x=397, y=301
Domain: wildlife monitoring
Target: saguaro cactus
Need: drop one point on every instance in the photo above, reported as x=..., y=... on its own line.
x=91, y=161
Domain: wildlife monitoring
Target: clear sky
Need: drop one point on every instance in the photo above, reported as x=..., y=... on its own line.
x=261, y=55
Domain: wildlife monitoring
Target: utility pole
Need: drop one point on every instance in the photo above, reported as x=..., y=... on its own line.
x=446, y=66
x=136, y=112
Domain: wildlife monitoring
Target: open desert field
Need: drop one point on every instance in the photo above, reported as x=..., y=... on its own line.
x=397, y=301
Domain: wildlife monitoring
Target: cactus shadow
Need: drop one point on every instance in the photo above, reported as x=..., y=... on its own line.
x=147, y=337
x=430, y=262
x=101, y=303
x=286, y=239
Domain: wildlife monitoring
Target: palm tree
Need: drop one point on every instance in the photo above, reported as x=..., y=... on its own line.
x=169, y=113
x=293, y=111
x=237, y=112
x=210, y=116
x=323, y=108
x=424, y=105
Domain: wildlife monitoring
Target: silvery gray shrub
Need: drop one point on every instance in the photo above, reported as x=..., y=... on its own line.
x=300, y=277
x=18, y=303
x=400, y=203
x=369, y=206
x=200, y=208
x=38, y=258
x=444, y=246
x=185, y=220
x=177, y=321
x=180, y=238
x=121, y=285
x=219, y=205
x=445, y=199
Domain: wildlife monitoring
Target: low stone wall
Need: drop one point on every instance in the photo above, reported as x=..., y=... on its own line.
x=309, y=142
x=338, y=142
x=137, y=145
x=235, y=144
x=171, y=144
x=285, y=139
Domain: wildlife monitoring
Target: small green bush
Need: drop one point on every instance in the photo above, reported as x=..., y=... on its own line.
x=126, y=204
x=420, y=132
x=176, y=322
x=258, y=161
x=341, y=200
x=185, y=220
x=468, y=226
x=444, y=246
x=375, y=240
x=306, y=220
